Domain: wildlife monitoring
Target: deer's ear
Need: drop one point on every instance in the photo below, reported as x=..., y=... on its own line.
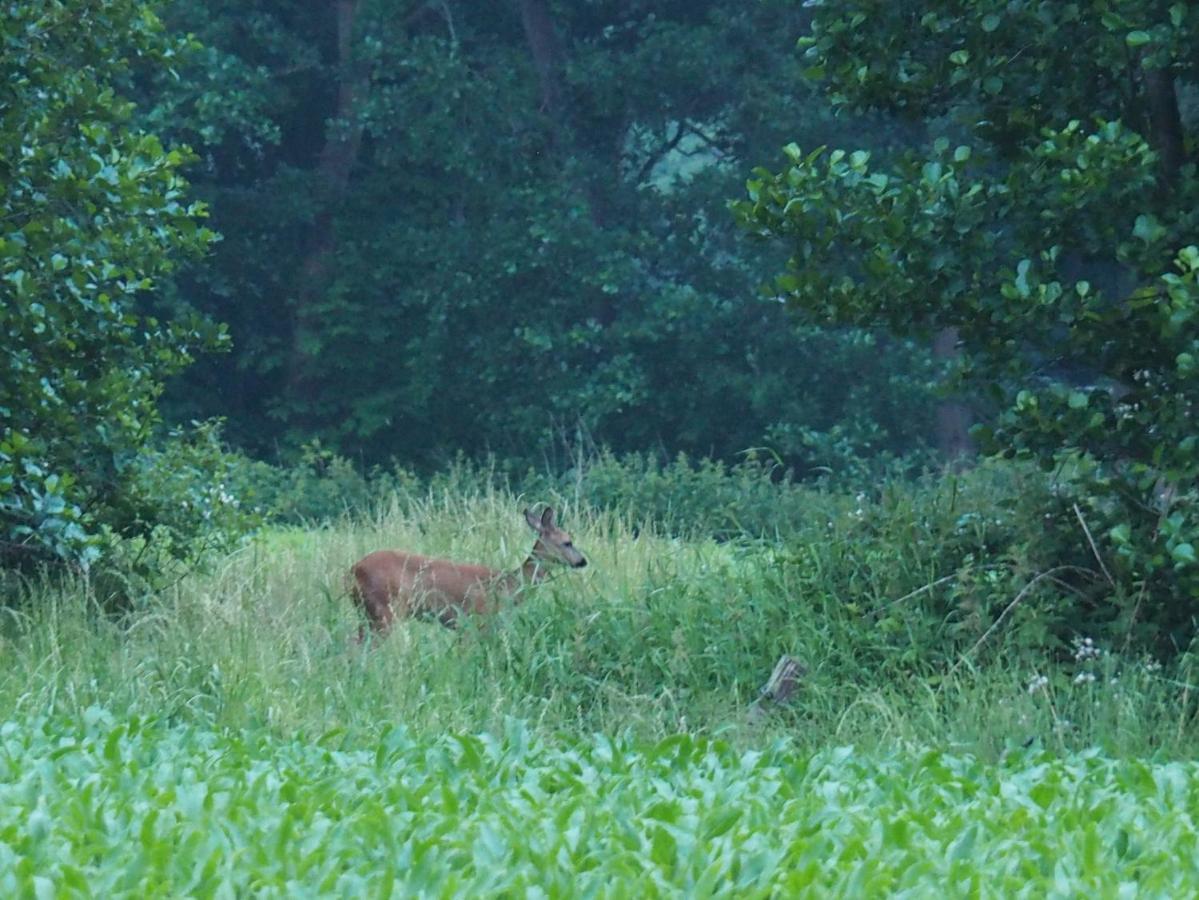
x=533, y=519
x=547, y=518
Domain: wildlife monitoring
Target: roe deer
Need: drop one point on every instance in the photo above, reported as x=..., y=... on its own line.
x=392, y=584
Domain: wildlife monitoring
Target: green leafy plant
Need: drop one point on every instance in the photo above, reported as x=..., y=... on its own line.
x=1048, y=215
x=94, y=212
x=180, y=506
x=122, y=806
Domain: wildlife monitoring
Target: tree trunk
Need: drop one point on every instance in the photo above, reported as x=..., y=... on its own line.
x=545, y=47
x=1165, y=122
x=570, y=133
x=343, y=139
x=953, y=416
x=546, y=50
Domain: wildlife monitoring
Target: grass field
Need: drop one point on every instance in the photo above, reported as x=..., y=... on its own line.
x=226, y=738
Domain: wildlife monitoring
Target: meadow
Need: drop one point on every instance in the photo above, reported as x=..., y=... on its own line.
x=226, y=737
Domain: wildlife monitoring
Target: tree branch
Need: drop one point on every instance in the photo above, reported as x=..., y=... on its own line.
x=660, y=153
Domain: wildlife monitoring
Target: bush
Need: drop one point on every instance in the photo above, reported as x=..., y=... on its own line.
x=757, y=496
x=93, y=211
x=690, y=497
x=907, y=574
x=1044, y=221
x=178, y=507
x=320, y=486
x=930, y=564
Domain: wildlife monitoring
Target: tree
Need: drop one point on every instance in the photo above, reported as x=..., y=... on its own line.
x=1050, y=218
x=94, y=211
x=533, y=181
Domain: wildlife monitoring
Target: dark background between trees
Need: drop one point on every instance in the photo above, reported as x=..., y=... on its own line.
x=464, y=227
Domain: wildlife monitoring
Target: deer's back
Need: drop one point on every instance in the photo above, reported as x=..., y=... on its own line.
x=392, y=583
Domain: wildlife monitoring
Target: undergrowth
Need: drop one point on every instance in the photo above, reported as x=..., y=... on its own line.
x=919, y=613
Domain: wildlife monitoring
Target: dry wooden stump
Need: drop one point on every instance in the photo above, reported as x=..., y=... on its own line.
x=780, y=687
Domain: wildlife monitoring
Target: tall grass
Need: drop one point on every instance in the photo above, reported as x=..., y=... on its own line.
x=660, y=633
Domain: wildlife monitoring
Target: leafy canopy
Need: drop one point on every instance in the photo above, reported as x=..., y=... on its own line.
x=496, y=270
x=1049, y=214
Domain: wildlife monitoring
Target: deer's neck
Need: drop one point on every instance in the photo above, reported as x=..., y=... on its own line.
x=531, y=571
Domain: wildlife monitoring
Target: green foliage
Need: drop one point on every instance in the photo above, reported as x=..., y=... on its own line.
x=755, y=497
x=603, y=735
x=957, y=549
x=179, y=506
x=529, y=273
x=1062, y=252
x=94, y=211
x=320, y=487
x=966, y=544
x=685, y=497
x=963, y=547
x=922, y=617
x=122, y=806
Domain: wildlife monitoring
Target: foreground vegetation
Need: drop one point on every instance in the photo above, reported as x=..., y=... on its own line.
x=1009, y=654
x=120, y=808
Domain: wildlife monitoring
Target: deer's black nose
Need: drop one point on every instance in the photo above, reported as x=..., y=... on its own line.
x=580, y=563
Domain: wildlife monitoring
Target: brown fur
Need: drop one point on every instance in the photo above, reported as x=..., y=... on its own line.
x=392, y=584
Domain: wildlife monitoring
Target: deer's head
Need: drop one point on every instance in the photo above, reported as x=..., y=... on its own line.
x=553, y=544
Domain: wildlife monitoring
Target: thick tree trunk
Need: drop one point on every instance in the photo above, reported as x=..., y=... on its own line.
x=343, y=139
x=546, y=49
x=953, y=416
x=1165, y=122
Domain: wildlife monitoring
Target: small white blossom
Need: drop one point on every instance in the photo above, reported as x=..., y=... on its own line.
x=1038, y=683
x=1084, y=678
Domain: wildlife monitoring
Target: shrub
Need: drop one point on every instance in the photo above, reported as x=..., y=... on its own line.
x=92, y=212
x=320, y=486
x=178, y=507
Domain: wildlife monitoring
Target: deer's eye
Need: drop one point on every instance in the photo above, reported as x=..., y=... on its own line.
x=567, y=544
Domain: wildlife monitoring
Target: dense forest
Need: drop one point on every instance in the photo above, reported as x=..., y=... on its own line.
x=389, y=233
x=453, y=230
